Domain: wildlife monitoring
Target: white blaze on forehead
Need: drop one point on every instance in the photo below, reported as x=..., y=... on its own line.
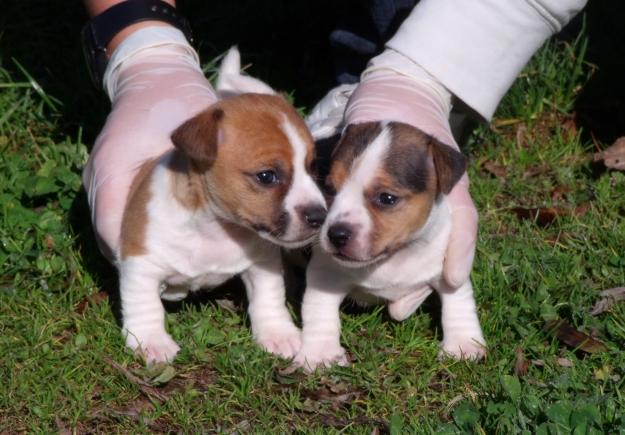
x=350, y=199
x=303, y=190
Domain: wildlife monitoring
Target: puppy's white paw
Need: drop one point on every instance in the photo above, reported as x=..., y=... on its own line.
x=320, y=356
x=154, y=347
x=463, y=348
x=284, y=342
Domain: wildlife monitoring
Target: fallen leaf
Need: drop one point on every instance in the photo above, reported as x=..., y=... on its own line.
x=498, y=171
x=336, y=393
x=521, y=366
x=574, y=338
x=535, y=170
x=335, y=422
x=145, y=387
x=228, y=305
x=94, y=299
x=134, y=409
x=289, y=376
x=565, y=362
x=48, y=241
x=603, y=373
x=61, y=427
x=544, y=216
x=559, y=192
x=521, y=136
x=609, y=298
x=538, y=362
x=165, y=376
x=613, y=156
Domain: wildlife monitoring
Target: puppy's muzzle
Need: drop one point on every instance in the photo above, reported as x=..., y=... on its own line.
x=339, y=235
x=314, y=216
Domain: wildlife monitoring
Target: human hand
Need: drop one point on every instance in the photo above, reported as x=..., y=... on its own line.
x=155, y=83
x=396, y=89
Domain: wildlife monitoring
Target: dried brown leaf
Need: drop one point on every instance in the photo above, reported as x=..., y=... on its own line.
x=613, y=156
x=333, y=421
x=521, y=366
x=560, y=192
x=145, y=387
x=133, y=409
x=535, y=170
x=544, y=216
x=94, y=299
x=228, y=305
x=608, y=299
x=493, y=168
x=574, y=338
x=521, y=136
x=565, y=362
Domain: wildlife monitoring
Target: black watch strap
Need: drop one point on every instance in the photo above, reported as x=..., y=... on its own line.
x=100, y=30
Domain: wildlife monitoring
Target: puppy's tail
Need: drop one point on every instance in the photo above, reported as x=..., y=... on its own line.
x=232, y=82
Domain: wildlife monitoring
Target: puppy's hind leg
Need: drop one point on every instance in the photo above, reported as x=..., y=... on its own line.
x=143, y=313
x=404, y=307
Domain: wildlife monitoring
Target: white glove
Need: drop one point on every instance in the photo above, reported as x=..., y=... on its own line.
x=155, y=83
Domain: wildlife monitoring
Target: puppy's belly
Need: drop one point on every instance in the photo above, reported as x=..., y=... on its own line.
x=384, y=292
x=204, y=281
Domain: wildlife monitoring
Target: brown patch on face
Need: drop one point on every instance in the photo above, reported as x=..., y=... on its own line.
x=354, y=141
x=244, y=140
x=417, y=168
x=187, y=185
x=135, y=218
x=393, y=226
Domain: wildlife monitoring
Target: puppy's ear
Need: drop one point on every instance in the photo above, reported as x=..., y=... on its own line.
x=231, y=81
x=449, y=163
x=198, y=137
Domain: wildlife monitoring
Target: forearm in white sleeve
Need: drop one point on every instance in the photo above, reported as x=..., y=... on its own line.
x=477, y=48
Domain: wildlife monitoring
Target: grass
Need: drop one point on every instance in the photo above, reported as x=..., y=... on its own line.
x=64, y=367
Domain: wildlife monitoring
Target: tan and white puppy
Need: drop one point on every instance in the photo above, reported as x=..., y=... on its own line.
x=235, y=189
x=384, y=239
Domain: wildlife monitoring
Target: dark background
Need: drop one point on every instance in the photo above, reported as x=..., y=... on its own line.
x=286, y=41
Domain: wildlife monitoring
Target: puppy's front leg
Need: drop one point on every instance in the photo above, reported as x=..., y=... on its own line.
x=272, y=326
x=321, y=336
x=143, y=313
x=462, y=334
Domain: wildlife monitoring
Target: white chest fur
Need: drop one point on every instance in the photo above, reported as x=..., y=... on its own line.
x=193, y=246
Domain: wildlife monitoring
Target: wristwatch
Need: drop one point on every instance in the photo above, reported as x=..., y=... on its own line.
x=100, y=30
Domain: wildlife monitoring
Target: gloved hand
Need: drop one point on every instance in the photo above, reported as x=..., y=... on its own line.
x=396, y=89
x=155, y=83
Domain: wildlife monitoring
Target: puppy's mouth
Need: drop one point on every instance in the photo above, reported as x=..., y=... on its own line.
x=288, y=244
x=353, y=262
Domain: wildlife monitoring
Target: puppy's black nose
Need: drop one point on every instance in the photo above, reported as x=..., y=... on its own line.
x=339, y=235
x=314, y=216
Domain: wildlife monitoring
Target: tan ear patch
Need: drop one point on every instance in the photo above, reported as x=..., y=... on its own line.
x=393, y=227
x=198, y=136
x=450, y=165
x=135, y=217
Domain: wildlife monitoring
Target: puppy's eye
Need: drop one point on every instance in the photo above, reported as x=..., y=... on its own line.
x=267, y=178
x=386, y=200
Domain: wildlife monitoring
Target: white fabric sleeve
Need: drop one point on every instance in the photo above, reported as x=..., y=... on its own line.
x=477, y=48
